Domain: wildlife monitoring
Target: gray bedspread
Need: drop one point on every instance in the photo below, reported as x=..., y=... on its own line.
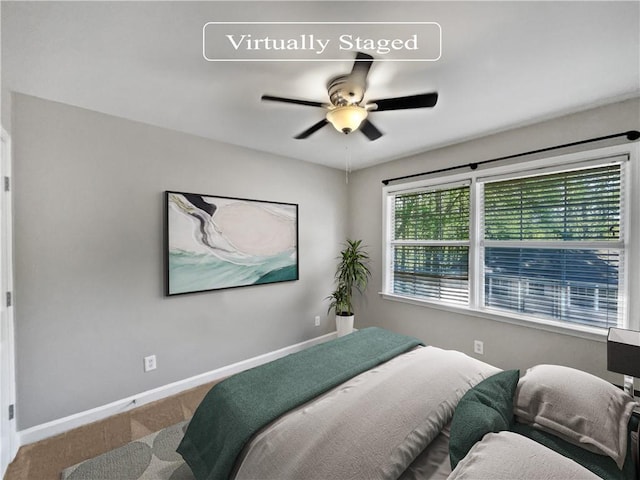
x=371, y=427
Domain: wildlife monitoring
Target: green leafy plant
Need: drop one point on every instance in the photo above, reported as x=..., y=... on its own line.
x=338, y=300
x=352, y=273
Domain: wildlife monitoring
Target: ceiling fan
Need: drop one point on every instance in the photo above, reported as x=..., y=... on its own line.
x=347, y=112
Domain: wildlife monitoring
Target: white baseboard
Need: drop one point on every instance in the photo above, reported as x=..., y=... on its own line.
x=61, y=425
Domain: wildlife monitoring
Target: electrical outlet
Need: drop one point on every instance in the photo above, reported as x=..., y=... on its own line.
x=317, y=320
x=478, y=347
x=150, y=363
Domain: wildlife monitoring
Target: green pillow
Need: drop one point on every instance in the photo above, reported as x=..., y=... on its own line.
x=487, y=407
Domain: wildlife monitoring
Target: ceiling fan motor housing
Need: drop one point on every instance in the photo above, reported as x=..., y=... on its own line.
x=344, y=91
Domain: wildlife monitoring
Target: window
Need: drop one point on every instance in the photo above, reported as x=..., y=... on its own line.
x=430, y=245
x=545, y=243
x=560, y=232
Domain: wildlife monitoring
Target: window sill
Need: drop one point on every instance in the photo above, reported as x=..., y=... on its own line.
x=589, y=333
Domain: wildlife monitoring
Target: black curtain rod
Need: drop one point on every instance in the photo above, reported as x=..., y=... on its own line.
x=632, y=135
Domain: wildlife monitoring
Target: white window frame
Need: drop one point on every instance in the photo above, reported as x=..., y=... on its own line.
x=427, y=243
x=631, y=212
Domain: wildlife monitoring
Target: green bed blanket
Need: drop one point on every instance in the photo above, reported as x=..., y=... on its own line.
x=239, y=406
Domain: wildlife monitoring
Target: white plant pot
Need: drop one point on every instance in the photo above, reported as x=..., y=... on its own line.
x=344, y=325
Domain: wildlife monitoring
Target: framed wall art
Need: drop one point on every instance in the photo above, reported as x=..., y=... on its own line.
x=214, y=242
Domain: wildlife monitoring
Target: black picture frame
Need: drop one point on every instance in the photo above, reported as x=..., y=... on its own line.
x=215, y=242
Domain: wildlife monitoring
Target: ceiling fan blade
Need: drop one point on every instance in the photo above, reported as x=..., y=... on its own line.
x=292, y=100
x=312, y=129
x=370, y=130
x=361, y=67
x=424, y=100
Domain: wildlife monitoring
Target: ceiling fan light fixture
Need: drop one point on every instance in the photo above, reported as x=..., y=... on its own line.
x=347, y=118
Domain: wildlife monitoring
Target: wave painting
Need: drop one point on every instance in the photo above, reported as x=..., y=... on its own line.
x=221, y=242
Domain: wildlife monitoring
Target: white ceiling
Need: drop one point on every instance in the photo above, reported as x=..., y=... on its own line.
x=503, y=64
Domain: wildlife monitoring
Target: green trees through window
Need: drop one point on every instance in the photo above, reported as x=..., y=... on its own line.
x=431, y=248
x=547, y=244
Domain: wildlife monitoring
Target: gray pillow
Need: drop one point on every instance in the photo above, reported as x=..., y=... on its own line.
x=576, y=406
x=509, y=456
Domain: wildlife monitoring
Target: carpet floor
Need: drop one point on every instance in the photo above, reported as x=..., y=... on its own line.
x=153, y=457
x=46, y=459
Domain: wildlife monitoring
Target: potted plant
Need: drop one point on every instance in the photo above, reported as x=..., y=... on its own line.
x=352, y=273
x=338, y=303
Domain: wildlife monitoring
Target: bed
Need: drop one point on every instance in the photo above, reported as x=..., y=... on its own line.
x=378, y=405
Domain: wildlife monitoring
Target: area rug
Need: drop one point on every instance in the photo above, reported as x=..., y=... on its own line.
x=152, y=457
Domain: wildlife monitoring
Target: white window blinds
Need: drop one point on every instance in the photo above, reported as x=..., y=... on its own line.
x=430, y=244
x=554, y=245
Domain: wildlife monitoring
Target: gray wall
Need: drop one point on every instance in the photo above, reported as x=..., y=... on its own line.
x=88, y=240
x=89, y=264
x=505, y=345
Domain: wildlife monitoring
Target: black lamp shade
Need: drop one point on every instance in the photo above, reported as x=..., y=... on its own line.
x=623, y=351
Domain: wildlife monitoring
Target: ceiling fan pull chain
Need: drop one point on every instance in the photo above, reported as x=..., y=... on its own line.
x=347, y=167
